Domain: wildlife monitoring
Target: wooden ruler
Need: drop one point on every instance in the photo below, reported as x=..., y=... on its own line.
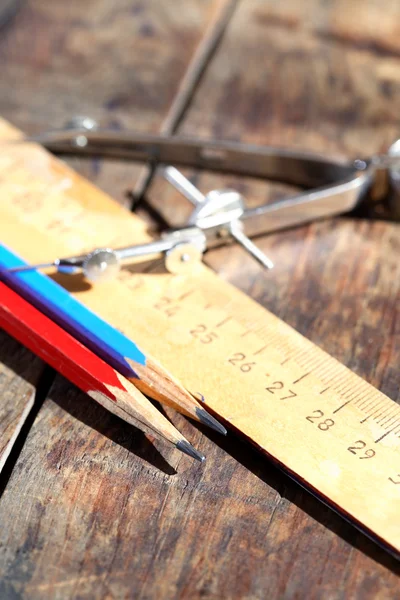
x=326, y=426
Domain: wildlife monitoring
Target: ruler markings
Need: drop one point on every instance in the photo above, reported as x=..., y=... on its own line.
x=260, y=350
x=224, y=321
x=342, y=406
x=366, y=402
x=343, y=388
x=396, y=423
x=373, y=405
x=367, y=411
x=186, y=295
x=300, y=360
x=280, y=345
x=300, y=356
x=325, y=390
x=316, y=364
x=386, y=422
x=331, y=365
x=308, y=440
x=362, y=393
x=330, y=373
x=393, y=426
x=351, y=396
x=343, y=392
x=246, y=333
x=393, y=411
x=377, y=416
x=307, y=366
x=337, y=387
x=387, y=414
x=272, y=338
x=394, y=429
x=301, y=378
x=361, y=399
x=354, y=396
x=325, y=371
x=375, y=409
x=383, y=436
x=330, y=384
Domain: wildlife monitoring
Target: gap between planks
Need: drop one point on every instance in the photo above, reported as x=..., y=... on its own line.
x=44, y=384
x=204, y=53
x=188, y=86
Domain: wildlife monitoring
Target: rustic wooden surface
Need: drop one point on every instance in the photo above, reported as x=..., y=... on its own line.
x=20, y=373
x=89, y=509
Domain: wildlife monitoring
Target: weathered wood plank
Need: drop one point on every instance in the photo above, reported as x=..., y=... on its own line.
x=105, y=61
x=20, y=564
x=119, y=62
x=115, y=524
x=110, y=60
x=316, y=78
x=19, y=375
x=84, y=488
x=107, y=518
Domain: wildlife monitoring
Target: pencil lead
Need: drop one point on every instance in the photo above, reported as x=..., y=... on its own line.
x=208, y=420
x=188, y=449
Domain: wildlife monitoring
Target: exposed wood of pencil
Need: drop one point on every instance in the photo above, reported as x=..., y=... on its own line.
x=280, y=429
x=158, y=383
x=99, y=336
x=83, y=368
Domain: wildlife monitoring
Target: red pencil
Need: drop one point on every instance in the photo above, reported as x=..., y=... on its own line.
x=84, y=368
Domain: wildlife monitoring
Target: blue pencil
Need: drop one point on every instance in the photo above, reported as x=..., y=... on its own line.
x=101, y=338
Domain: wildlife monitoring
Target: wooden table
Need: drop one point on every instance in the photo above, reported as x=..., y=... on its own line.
x=89, y=510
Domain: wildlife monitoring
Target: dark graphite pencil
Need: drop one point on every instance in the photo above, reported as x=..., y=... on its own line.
x=107, y=342
x=85, y=369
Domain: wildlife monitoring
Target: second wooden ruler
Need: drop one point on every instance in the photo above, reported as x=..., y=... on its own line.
x=331, y=430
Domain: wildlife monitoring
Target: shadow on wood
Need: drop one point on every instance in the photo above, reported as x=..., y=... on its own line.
x=81, y=407
x=125, y=435
x=289, y=489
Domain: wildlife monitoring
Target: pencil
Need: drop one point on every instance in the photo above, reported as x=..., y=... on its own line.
x=103, y=339
x=83, y=368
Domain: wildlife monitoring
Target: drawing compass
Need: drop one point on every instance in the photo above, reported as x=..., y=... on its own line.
x=220, y=216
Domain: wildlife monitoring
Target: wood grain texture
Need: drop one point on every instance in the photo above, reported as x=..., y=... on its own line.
x=320, y=78
x=19, y=375
x=159, y=333
x=80, y=366
x=238, y=529
x=119, y=62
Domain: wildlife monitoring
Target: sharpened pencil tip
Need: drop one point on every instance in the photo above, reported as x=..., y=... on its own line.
x=188, y=449
x=208, y=420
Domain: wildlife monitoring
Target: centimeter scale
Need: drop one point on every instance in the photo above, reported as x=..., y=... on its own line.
x=329, y=429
